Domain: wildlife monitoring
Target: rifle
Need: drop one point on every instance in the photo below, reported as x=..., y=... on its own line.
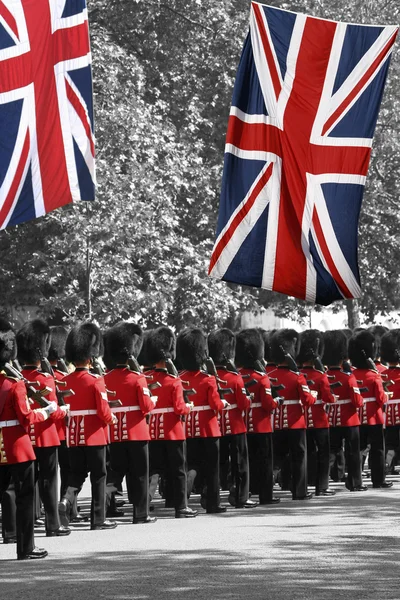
x=98, y=370
x=134, y=366
x=291, y=363
x=172, y=370
x=33, y=394
x=62, y=366
x=212, y=370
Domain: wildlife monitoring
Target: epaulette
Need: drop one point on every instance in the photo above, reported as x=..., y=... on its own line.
x=9, y=377
x=346, y=373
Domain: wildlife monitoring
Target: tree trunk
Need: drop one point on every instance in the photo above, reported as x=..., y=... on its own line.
x=353, y=314
x=88, y=281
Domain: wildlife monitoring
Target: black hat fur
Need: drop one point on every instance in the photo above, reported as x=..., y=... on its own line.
x=33, y=341
x=362, y=346
x=284, y=341
x=83, y=343
x=191, y=349
x=123, y=340
x=160, y=345
x=8, y=344
x=378, y=331
x=311, y=345
x=221, y=345
x=249, y=348
x=335, y=350
x=59, y=336
x=390, y=346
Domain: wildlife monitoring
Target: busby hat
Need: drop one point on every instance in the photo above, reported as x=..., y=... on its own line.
x=83, y=342
x=59, y=336
x=284, y=341
x=311, y=345
x=33, y=341
x=142, y=356
x=8, y=344
x=390, y=346
x=335, y=347
x=221, y=345
x=249, y=348
x=361, y=347
x=123, y=340
x=191, y=349
x=160, y=345
x=266, y=336
x=378, y=331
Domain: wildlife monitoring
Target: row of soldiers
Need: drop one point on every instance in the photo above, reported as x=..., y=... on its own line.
x=265, y=399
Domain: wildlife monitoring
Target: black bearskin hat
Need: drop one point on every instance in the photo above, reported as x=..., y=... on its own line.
x=33, y=341
x=191, y=349
x=335, y=351
x=142, y=358
x=160, y=345
x=284, y=341
x=311, y=345
x=249, y=348
x=123, y=340
x=8, y=344
x=83, y=342
x=59, y=336
x=221, y=345
x=362, y=346
x=378, y=331
x=266, y=336
x=390, y=346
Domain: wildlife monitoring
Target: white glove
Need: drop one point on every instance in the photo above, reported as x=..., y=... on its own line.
x=52, y=407
x=226, y=403
x=65, y=408
x=114, y=419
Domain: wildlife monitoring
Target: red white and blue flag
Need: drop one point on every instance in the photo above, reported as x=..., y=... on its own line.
x=305, y=105
x=46, y=108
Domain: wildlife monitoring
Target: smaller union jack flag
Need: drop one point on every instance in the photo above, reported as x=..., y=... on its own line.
x=305, y=105
x=46, y=108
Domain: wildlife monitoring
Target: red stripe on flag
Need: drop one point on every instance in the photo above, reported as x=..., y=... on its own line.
x=332, y=119
x=8, y=202
x=344, y=290
x=9, y=19
x=76, y=103
x=339, y=159
x=241, y=214
x=253, y=136
x=267, y=49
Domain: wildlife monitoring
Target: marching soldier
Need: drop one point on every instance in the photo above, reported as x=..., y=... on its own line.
x=362, y=349
x=87, y=434
x=221, y=348
x=168, y=446
x=248, y=358
x=317, y=421
x=130, y=435
x=390, y=353
x=16, y=452
x=202, y=427
x=290, y=426
x=343, y=415
x=33, y=340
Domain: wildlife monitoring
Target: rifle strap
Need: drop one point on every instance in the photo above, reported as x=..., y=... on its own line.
x=4, y=390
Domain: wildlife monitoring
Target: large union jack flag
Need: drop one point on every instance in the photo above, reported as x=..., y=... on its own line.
x=46, y=107
x=304, y=110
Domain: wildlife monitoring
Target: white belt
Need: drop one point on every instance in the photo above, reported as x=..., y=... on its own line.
x=369, y=400
x=120, y=409
x=256, y=405
x=339, y=402
x=396, y=401
x=201, y=408
x=9, y=423
x=161, y=411
x=292, y=402
x=82, y=413
x=235, y=406
x=319, y=401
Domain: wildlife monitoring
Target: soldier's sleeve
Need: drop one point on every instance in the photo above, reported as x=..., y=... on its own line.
x=355, y=395
x=380, y=394
x=102, y=406
x=143, y=395
x=326, y=393
x=241, y=397
x=213, y=396
x=179, y=404
x=25, y=415
x=305, y=395
x=265, y=394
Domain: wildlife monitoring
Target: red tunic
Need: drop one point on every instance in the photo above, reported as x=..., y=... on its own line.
x=231, y=421
x=258, y=417
x=131, y=388
x=202, y=421
x=371, y=413
x=393, y=404
x=16, y=445
x=316, y=415
x=44, y=435
x=90, y=397
x=166, y=419
x=344, y=413
x=297, y=395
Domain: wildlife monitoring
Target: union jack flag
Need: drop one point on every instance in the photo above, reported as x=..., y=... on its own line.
x=305, y=105
x=46, y=107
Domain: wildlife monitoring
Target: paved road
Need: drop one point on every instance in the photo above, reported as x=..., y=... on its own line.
x=347, y=546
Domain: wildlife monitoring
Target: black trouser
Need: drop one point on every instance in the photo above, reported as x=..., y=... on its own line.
x=63, y=461
x=131, y=459
x=318, y=457
x=203, y=456
x=8, y=512
x=261, y=465
x=46, y=475
x=373, y=435
x=170, y=456
x=238, y=449
x=23, y=475
x=351, y=437
x=293, y=442
x=84, y=460
x=392, y=444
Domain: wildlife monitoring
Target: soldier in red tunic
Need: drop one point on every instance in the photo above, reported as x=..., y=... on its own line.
x=362, y=349
x=249, y=360
x=33, y=340
x=16, y=452
x=87, y=434
x=168, y=447
x=202, y=427
x=130, y=435
x=233, y=443
x=290, y=425
x=317, y=421
x=390, y=353
x=344, y=420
